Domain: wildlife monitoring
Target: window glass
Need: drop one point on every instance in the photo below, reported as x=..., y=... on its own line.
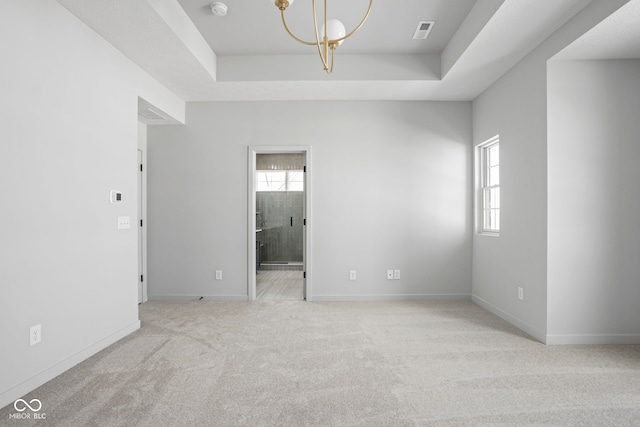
x=279, y=180
x=488, y=206
x=296, y=180
x=271, y=180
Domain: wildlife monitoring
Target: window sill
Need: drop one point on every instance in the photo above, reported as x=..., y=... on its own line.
x=486, y=234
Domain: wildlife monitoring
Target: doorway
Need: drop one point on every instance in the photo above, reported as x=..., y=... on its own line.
x=279, y=237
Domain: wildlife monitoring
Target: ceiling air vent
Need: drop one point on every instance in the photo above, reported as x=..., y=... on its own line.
x=423, y=30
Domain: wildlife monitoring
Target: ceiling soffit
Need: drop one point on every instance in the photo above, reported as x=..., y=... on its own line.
x=167, y=42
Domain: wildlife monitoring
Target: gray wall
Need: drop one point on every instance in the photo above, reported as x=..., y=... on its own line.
x=594, y=201
x=516, y=108
x=391, y=190
x=68, y=136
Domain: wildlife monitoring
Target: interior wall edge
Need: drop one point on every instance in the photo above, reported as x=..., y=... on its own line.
x=47, y=375
x=515, y=321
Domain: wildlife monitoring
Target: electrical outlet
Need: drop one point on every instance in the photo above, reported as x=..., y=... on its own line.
x=35, y=334
x=218, y=274
x=352, y=275
x=389, y=274
x=520, y=293
x=396, y=274
x=124, y=222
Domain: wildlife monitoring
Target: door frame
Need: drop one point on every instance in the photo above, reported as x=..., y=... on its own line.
x=141, y=226
x=253, y=150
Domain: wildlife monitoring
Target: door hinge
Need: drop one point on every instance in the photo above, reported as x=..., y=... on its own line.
x=304, y=169
x=140, y=167
x=304, y=274
x=140, y=223
x=141, y=278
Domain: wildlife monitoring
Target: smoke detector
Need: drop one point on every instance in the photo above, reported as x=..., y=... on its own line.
x=219, y=9
x=423, y=30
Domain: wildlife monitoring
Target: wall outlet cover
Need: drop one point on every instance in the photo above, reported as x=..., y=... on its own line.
x=124, y=222
x=35, y=334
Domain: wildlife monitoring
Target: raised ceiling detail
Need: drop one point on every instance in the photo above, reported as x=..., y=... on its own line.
x=248, y=56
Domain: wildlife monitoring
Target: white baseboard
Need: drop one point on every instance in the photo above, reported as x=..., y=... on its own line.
x=391, y=297
x=169, y=297
x=594, y=339
x=523, y=326
x=37, y=380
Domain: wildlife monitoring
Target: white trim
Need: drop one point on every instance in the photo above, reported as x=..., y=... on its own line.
x=195, y=298
x=47, y=375
x=393, y=297
x=142, y=147
x=594, y=339
x=479, y=177
x=523, y=326
x=251, y=217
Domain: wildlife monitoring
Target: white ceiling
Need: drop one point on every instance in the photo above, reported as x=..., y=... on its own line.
x=255, y=27
x=248, y=56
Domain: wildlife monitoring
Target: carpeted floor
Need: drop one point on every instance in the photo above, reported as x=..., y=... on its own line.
x=294, y=363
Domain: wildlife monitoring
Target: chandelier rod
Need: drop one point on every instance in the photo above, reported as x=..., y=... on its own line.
x=366, y=15
x=284, y=22
x=325, y=41
x=323, y=51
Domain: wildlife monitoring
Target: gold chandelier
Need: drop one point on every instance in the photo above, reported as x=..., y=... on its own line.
x=333, y=37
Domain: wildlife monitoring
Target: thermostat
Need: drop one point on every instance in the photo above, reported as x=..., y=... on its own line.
x=115, y=196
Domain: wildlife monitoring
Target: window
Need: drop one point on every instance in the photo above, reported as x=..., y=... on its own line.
x=489, y=186
x=280, y=180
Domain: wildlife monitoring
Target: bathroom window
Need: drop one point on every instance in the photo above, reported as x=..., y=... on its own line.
x=488, y=161
x=284, y=180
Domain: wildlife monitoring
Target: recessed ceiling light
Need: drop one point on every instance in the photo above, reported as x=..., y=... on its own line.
x=219, y=9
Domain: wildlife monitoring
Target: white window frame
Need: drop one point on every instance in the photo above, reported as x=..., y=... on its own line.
x=287, y=180
x=484, y=190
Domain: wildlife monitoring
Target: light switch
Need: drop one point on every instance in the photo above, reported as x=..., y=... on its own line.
x=124, y=222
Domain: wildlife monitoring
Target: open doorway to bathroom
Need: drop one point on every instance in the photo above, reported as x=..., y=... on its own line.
x=278, y=216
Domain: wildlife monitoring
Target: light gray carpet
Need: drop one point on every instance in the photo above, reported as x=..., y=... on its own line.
x=294, y=363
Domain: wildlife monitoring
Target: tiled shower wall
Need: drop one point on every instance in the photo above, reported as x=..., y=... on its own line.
x=281, y=241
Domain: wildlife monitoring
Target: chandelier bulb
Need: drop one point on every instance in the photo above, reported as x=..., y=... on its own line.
x=282, y=4
x=335, y=30
x=327, y=39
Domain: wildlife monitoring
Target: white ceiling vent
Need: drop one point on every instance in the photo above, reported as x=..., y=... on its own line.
x=423, y=30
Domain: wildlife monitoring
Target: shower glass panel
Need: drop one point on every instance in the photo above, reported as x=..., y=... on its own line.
x=281, y=213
